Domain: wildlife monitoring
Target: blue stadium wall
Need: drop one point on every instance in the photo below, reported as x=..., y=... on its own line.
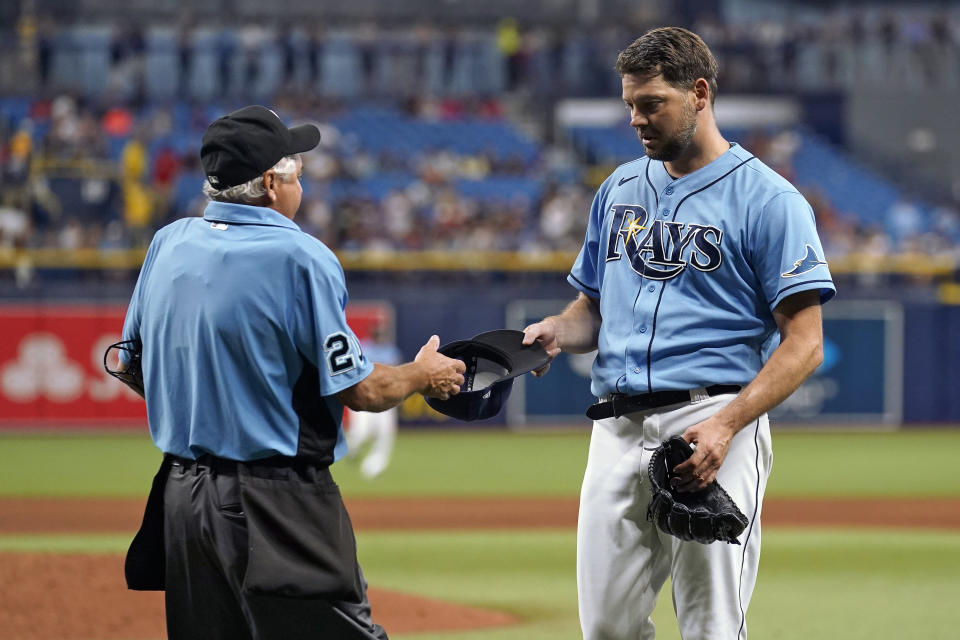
x=923, y=360
x=891, y=361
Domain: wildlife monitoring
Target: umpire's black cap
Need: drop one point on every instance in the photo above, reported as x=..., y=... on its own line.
x=242, y=145
x=493, y=360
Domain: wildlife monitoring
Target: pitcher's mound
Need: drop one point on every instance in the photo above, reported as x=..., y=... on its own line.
x=83, y=597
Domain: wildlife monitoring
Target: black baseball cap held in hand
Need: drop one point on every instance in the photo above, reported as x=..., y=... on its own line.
x=242, y=145
x=493, y=360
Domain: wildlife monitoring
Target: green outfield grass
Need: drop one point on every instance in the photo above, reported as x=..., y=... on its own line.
x=813, y=583
x=495, y=462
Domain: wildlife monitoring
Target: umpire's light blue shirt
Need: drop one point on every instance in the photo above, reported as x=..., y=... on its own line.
x=245, y=341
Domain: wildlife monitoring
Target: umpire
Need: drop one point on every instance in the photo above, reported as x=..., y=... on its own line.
x=247, y=363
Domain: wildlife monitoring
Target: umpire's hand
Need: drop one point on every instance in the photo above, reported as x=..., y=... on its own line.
x=444, y=375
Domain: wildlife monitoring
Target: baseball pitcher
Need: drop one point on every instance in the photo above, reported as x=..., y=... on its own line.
x=695, y=256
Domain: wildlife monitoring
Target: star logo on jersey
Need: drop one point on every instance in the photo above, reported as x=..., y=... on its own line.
x=632, y=228
x=666, y=247
x=806, y=264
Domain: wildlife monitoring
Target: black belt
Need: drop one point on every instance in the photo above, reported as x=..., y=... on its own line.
x=620, y=404
x=271, y=467
x=206, y=462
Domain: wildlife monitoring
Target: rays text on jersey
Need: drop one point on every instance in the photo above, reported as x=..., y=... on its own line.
x=661, y=249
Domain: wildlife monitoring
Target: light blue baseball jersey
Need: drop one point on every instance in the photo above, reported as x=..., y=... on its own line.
x=245, y=340
x=688, y=271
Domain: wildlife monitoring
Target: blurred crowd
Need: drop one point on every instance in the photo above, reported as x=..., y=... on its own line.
x=838, y=47
x=77, y=177
x=907, y=227
x=100, y=124
x=845, y=47
x=74, y=176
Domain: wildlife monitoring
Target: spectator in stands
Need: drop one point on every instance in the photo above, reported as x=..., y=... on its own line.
x=510, y=46
x=184, y=54
x=561, y=220
x=138, y=204
x=873, y=250
x=904, y=220
x=44, y=50
x=166, y=166
x=946, y=222
x=252, y=37
x=64, y=132
x=226, y=47
x=398, y=216
x=117, y=121
x=16, y=165
x=316, y=52
x=14, y=227
x=127, y=49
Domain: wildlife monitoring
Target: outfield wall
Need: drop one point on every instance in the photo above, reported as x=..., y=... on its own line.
x=885, y=362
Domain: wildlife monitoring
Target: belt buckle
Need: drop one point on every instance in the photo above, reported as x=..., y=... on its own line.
x=620, y=404
x=699, y=394
x=613, y=406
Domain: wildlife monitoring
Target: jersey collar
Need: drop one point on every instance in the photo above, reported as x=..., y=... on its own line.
x=659, y=178
x=231, y=213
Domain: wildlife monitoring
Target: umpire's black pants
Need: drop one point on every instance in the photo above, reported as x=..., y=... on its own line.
x=206, y=542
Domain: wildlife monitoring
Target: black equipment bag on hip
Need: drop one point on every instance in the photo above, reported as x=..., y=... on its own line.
x=145, y=565
x=301, y=541
x=300, y=536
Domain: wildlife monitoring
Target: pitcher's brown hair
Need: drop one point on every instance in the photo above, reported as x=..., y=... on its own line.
x=679, y=55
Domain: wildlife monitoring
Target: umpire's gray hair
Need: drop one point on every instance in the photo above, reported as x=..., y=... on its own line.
x=252, y=191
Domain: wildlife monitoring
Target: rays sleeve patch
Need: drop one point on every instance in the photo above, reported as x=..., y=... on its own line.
x=806, y=264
